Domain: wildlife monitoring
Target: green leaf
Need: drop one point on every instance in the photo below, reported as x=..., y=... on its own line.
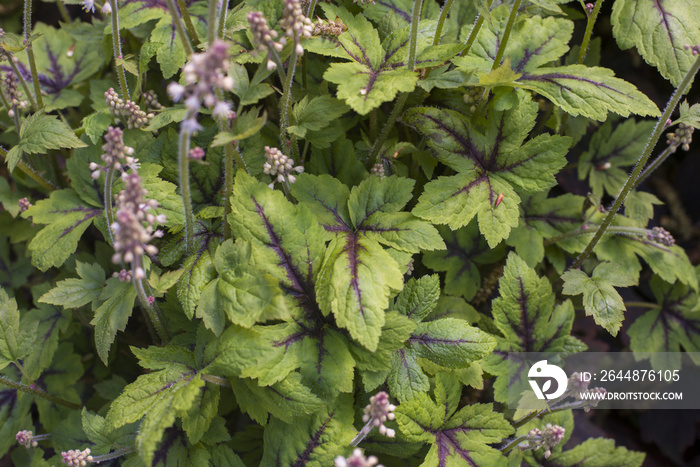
x=406, y=378
x=465, y=251
x=199, y=271
x=38, y=134
x=377, y=72
x=533, y=42
x=171, y=114
x=600, y=298
x=67, y=218
x=286, y=240
x=104, y=437
x=268, y=353
x=659, y=32
x=606, y=163
x=455, y=438
x=74, y=293
x=673, y=327
x=315, y=114
x=16, y=335
x=326, y=364
x=198, y=418
x=690, y=115
x=157, y=398
x=314, y=440
x=246, y=125
x=542, y=218
x=171, y=54
x=418, y=297
x=95, y=125
x=528, y=321
x=286, y=400
x=113, y=314
x=63, y=61
x=358, y=222
x=52, y=321
x=598, y=451
x=246, y=295
x=490, y=164
x=451, y=342
x=639, y=206
x=249, y=93
x=588, y=91
x=355, y=292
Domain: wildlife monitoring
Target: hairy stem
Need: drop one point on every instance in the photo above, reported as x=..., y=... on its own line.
x=231, y=154
x=474, y=33
x=184, y=163
x=509, y=446
x=30, y=52
x=177, y=22
x=39, y=393
x=112, y=455
x=655, y=164
x=222, y=19
x=401, y=101
x=212, y=23
x=363, y=433
x=117, y=49
x=31, y=173
x=441, y=21
x=656, y=134
x=188, y=22
x=109, y=200
x=589, y=31
x=285, y=103
x=506, y=35
x=590, y=229
x=64, y=12
x=24, y=373
x=152, y=311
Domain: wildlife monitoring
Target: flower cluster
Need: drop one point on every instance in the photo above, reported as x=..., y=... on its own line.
x=204, y=73
x=12, y=93
x=662, y=236
x=296, y=24
x=329, y=28
x=77, y=458
x=134, y=225
x=280, y=166
x=150, y=100
x=26, y=439
x=378, y=170
x=378, y=411
x=123, y=275
x=24, y=204
x=682, y=137
x=197, y=153
x=128, y=112
x=264, y=37
x=116, y=153
x=547, y=438
x=357, y=459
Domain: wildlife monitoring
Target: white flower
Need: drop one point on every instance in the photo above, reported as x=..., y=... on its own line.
x=88, y=5
x=176, y=91
x=106, y=8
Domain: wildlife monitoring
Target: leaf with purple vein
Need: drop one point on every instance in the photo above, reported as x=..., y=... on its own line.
x=460, y=438
x=671, y=328
x=659, y=29
x=313, y=440
x=489, y=162
x=525, y=315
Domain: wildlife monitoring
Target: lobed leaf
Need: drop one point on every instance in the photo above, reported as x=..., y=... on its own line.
x=659, y=30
